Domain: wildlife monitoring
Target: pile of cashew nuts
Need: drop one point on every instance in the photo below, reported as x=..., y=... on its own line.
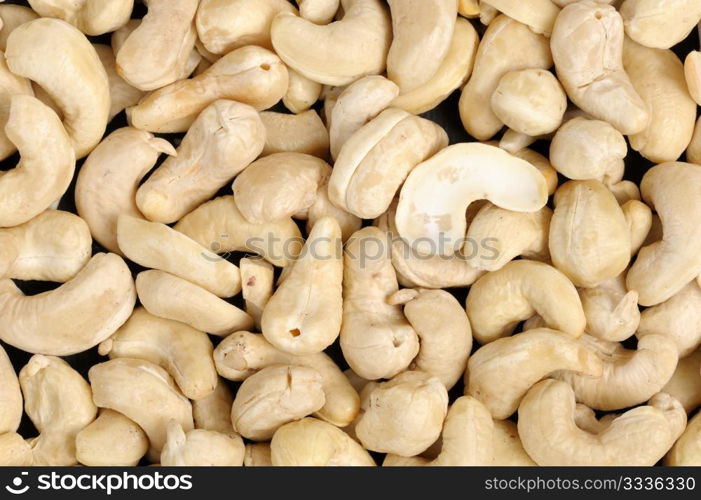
x=313, y=272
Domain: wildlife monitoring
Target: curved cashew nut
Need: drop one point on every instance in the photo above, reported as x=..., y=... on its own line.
x=687, y=450
x=279, y=186
x=311, y=442
x=496, y=236
x=611, y=310
x=60, y=58
x=660, y=24
x=304, y=314
x=123, y=384
x=58, y=401
x=15, y=451
x=300, y=133
x=275, y=396
x=74, y=317
x=224, y=139
x=520, y=289
x=356, y=105
x=46, y=166
x=242, y=354
x=109, y=178
x=451, y=74
x=158, y=246
x=658, y=77
x=685, y=384
x=301, y=93
x=530, y=101
x=377, y=158
x=629, y=377
x=111, y=440
x=539, y=15
x=671, y=189
x=213, y=412
x=92, y=17
x=587, y=47
x=250, y=75
x=184, y=352
x=53, y=246
x=219, y=226
x=225, y=26
x=171, y=297
x=376, y=339
x=154, y=54
x=357, y=44
x=678, y=318
x=10, y=396
x=422, y=33
x=500, y=373
x=640, y=436
x=13, y=16
x=10, y=85
x=443, y=329
x=589, y=236
x=463, y=173
x=507, y=45
x=200, y=447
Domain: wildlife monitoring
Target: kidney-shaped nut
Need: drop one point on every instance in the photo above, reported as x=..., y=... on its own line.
x=278, y=186
x=422, y=31
x=111, y=440
x=678, y=318
x=59, y=403
x=357, y=44
x=500, y=373
x=530, y=101
x=658, y=77
x=53, y=246
x=109, y=178
x=242, y=354
x=374, y=162
x=219, y=226
x=640, y=436
x=200, y=447
x=376, y=339
x=630, y=377
x=588, y=149
x=13, y=16
x=74, y=317
x=92, y=17
x=611, y=310
x=665, y=267
x=10, y=85
x=184, y=352
x=223, y=26
x=507, y=45
x=444, y=332
x=687, y=450
x=60, y=58
x=275, y=396
x=463, y=173
x=250, y=75
x=174, y=298
x=660, y=23
x=587, y=47
x=301, y=133
x=522, y=288
x=589, y=236
x=403, y=416
x=10, y=396
x=46, y=166
x=154, y=54
x=143, y=392
x=158, y=246
x=224, y=139
x=304, y=314
x=312, y=442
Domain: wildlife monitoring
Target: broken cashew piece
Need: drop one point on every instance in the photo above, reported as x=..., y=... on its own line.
x=111, y=440
x=499, y=300
x=74, y=317
x=200, y=447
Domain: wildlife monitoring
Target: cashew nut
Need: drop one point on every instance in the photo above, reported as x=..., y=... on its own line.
x=10, y=396
x=13, y=16
x=256, y=286
x=200, y=447
x=301, y=93
x=692, y=74
x=685, y=384
x=611, y=310
x=122, y=95
x=257, y=455
x=301, y=133
x=539, y=15
x=111, y=440
x=15, y=451
x=660, y=23
x=213, y=412
x=687, y=450
x=92, y=17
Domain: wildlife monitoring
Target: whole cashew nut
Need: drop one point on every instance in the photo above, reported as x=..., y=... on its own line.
x=111, y=440
x=301, y=93
x=660, y=23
